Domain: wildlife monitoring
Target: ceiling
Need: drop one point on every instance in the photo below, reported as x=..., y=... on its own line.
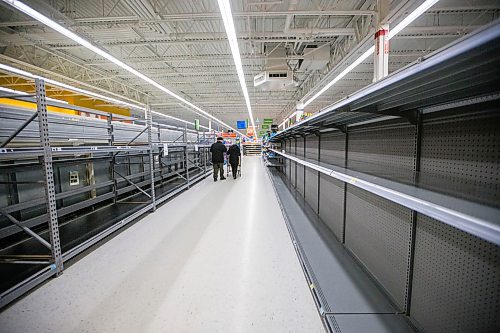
x=182, y=45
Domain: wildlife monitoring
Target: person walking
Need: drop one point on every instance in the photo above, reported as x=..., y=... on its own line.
x=234, y=158
x=218, y=149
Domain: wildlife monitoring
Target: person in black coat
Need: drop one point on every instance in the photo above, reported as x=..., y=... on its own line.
x=234, y=158
x=218, y=149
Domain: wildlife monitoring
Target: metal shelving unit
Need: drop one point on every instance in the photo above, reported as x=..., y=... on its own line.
x=97, y=175
x=403, y=174
x=270, y=158
x=251, y=149
x=476, y=219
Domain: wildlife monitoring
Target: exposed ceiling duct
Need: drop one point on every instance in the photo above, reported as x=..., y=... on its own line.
x=277, y=75
x=315, y=57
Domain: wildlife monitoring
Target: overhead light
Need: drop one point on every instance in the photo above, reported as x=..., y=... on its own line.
x=227, y=17
x=411, y=17
x=26, y=74
x=71, y=35
x=18, y=92
x=392, y=32
x=342, y=74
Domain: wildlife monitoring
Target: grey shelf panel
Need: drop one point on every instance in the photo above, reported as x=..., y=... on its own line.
x=341, y=284
x=477, y=219
x=373, y=323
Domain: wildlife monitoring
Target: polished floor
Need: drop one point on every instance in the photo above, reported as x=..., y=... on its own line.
x=217, y=258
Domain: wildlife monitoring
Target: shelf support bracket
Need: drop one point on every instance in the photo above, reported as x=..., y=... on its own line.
x=26, y=229
x=19, y=130
x=132, y=183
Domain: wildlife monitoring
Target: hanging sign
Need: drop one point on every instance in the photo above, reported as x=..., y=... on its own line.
x=165, y=149
x=241, y=124
x=197, y=124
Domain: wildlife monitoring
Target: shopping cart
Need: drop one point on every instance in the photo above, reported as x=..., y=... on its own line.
x=230, y=172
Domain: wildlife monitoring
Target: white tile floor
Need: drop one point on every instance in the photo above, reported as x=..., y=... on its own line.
x=218, y=258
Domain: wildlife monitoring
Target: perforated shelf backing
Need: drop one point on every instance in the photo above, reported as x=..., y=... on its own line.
x=311, y=189
x=388, y=145
x=293, y=165
x=300, y=179
x=456, y=280
x=333, y=148
x=463, y=151
x=377, y=231
x=286, y=147
x=331, y=204
x=311, y=147
x=299, y=150
x=311, y=176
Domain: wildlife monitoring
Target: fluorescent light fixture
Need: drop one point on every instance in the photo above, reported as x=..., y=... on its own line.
x=71, y=35
x=349, y=68
x=411, y=17
x=227, y=17
x=12, y=91
x=392, y=32
x=23, y=73
x=18, y=92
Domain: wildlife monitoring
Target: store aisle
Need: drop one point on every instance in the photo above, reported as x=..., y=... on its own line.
x=218, y=258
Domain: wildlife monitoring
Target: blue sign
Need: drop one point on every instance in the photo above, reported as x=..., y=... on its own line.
x=241, y=124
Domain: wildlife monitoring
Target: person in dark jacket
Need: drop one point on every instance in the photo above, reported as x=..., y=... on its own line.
x=234, y=158
x=218, y=149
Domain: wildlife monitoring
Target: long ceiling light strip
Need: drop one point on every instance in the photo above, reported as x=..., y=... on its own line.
x=227, y=17
x=71, y=35
x=18, y=92
x=349, y=68
x=411, y=17
x=26, y=74
x=392, y=32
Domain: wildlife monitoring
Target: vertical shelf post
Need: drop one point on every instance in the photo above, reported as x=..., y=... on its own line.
x=160, y=152
x=416, y=173
x=186, y=154
x=346, y=157
x=149, y=124
x=111, y=142
x=50, y=192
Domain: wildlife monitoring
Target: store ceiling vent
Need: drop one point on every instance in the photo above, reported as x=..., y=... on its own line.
x=315, y=57
x=273, y=80
x=276, y=75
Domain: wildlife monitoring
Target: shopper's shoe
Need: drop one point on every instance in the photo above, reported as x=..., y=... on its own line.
x=215, y=179
x=223, y=178
x=234, y=177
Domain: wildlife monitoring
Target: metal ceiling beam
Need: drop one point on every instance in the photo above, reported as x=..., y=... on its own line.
x=165, y=18
x=190, y=58
x=133, y=94
x=166, y=42
x=215, y=15
x=44, y=38
x=219, y=57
